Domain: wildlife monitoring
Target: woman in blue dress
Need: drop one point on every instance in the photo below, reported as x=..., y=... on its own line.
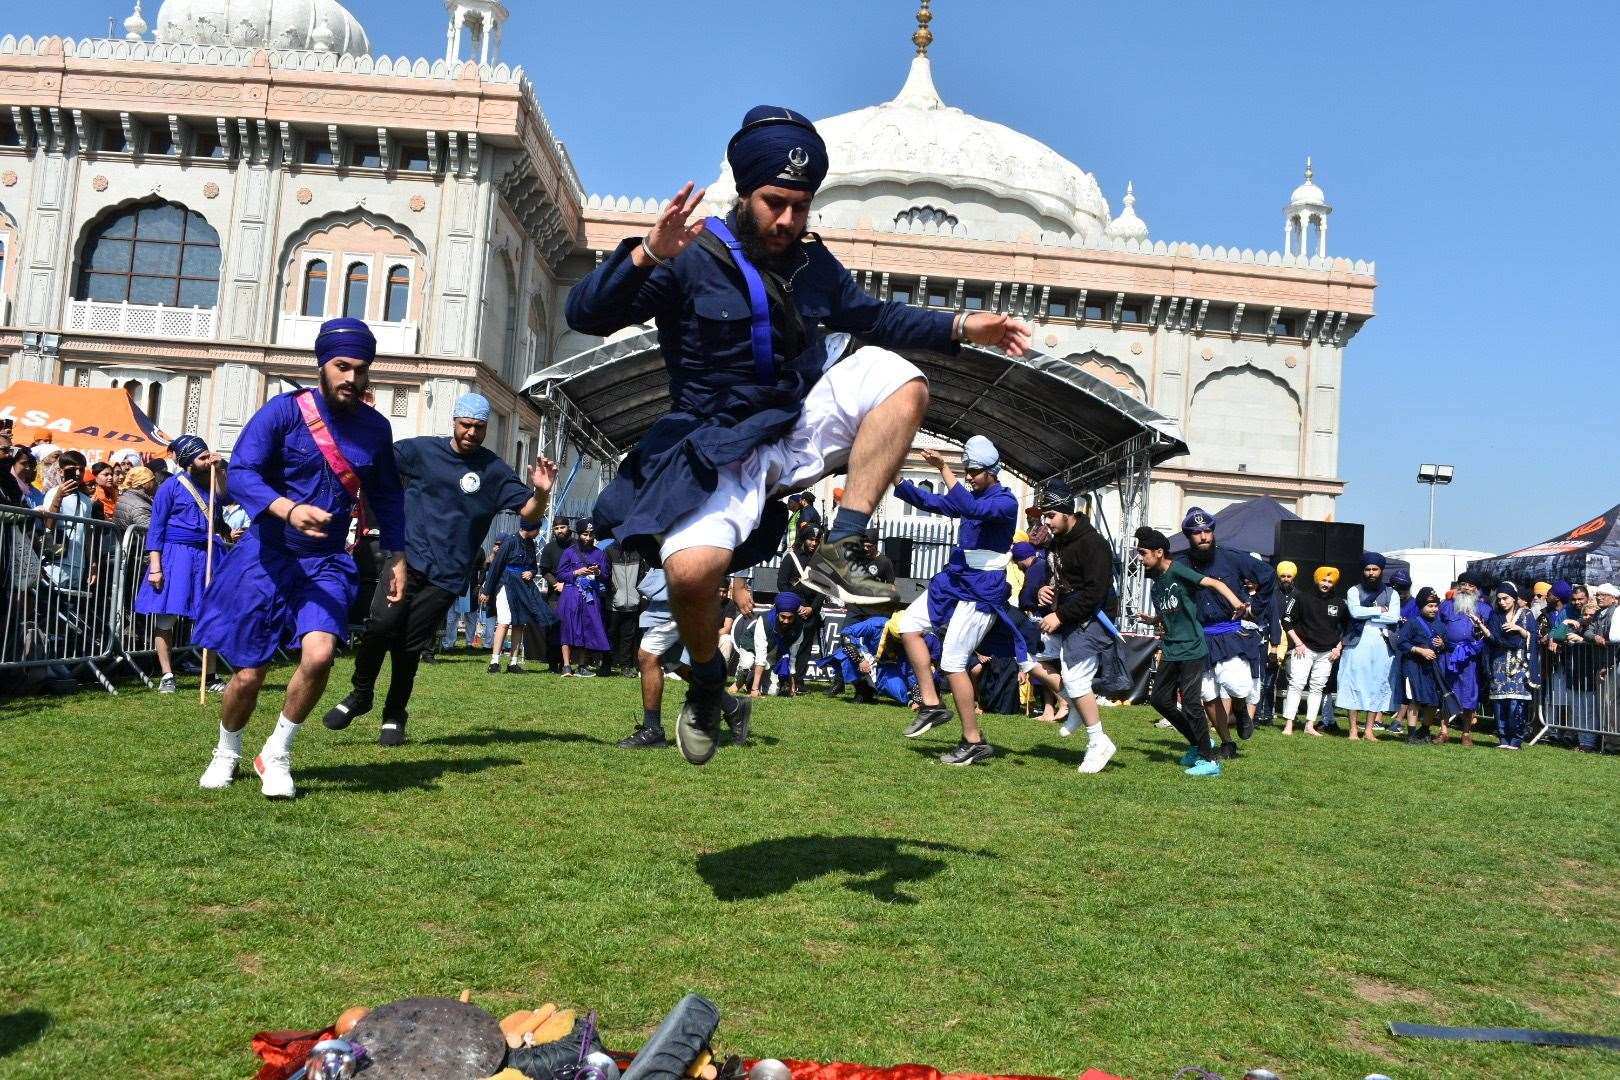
x=583, y=572
x=1510, y=632
x=1420, y=644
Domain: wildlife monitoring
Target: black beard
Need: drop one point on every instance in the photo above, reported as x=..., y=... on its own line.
x=753, y=244
x=1371, y=584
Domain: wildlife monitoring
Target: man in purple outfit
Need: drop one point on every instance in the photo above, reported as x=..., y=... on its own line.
x=298, y=469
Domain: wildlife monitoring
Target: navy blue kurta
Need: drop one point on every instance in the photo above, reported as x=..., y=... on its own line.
x=721, y=409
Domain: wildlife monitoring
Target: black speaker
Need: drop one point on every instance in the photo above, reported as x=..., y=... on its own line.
x=1345, y=543
x=898, y=549
x=1310, y=544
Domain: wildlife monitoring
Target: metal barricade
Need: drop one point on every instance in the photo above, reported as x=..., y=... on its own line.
x=63, y=592
x=135, y=631
x=1581, y=688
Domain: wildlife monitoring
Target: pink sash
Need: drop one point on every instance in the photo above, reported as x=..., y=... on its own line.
x=327, y=444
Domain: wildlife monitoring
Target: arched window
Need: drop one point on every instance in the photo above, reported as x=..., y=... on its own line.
x=509, y=331
x=158, y=253
x=154, y=400
x=398, y=305
x=356, y=288
x=315, y=289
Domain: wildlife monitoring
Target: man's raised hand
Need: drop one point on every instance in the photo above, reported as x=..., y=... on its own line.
x=999, y=331
x=543, y=476
x=670, y=234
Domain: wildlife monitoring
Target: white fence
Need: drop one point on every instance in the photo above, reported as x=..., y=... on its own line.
x=144, y=320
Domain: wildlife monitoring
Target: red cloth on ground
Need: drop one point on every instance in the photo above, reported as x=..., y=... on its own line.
x=844, y=1070
x=284, y=1052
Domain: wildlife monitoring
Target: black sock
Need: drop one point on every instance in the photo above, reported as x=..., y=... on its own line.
x=652, y=719
x=847, y=523
x=728, y=705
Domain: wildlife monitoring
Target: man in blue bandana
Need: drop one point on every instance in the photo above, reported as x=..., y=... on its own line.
x=453, y=489
x=1233, y=649
x=298, y=469
x=764, y=404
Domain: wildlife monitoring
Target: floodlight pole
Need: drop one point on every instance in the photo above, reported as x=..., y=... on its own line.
x=1432, y=486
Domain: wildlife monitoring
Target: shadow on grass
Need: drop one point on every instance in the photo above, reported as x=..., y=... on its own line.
x=382, y=777
x=1063, y=755
x=772, y=867
x=20, y=1029
x=518, y=736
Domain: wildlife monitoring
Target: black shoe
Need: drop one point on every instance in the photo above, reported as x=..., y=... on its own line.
x=644, y=738
x=393, y=731
x=836, y=689
x=841, y=572
x=698, y=728
x=864, y=694
x=339, y=716
x=967, y=753
x=739, y=720
x=1245, y=727
x=928, y=718
x=494, y=667
x=514, y=669
x=1227, y=751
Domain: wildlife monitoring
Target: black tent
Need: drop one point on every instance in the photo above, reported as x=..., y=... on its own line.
x=1587, y=554
x=1245, y=526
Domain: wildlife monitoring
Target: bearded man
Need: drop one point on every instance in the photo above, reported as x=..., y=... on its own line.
x=1460, y=624
x=299, y=469
x=763, y=403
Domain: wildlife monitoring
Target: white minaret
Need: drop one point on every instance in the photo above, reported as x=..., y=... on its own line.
x=135, y=26
x=1308, y=205
x=484, y=18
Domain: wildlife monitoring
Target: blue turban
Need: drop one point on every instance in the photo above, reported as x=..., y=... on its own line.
x=1562, y=590
x=187, y=449
x=776, y=147
x=1372, y=558
x=1399, y=580
x=471, y=407
x=980, y=453
x=1197, y=521
x=788, y=601
x=1057, y=496
x=345, y=337
x=1024, y=550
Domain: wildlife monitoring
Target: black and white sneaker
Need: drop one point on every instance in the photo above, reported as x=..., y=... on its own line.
x=841, y=572
x=739, y=719
x=494, y=667
x=927, y=719
x=1245, y=726
x=644, y=738
x=697, y=732
x=967, y=753
x=393, y=732
x=341, y=715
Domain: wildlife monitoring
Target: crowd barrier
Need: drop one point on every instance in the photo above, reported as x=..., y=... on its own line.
x=1581, y=689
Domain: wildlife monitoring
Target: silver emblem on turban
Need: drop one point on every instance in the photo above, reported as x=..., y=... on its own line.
x=798, y=164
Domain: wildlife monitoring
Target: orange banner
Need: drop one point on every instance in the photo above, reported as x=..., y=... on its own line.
x=78, y=418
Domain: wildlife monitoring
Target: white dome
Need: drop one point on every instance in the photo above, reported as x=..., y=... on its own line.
x=918, y=159
x=260, y=24
x=1308, y=194
x=1128, y=226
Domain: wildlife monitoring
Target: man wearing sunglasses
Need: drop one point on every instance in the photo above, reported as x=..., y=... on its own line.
x=763, y=402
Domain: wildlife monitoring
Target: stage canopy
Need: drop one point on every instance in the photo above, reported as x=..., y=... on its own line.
x=79, y=418
x=1587, y=554
x=1047, y=416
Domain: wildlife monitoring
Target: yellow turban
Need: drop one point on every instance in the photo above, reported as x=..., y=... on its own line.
x=139, y=476
x=1543, y=588
x=1287, y=569
x=1326, y=573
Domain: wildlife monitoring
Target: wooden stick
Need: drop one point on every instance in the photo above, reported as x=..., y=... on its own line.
x=208, y=579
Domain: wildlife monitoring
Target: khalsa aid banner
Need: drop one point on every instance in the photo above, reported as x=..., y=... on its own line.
x=78, y=418
x=1582, y=538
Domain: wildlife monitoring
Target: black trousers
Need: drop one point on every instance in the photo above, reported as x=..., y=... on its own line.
x=624, y=634
x=1184, y=677
x=404, y=630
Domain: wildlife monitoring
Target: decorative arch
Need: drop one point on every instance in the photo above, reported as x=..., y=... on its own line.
x=149, y=251
x=1244, y=419
x=502, y=305
x=333, y=243
x=1115, y=373
x=8, y=255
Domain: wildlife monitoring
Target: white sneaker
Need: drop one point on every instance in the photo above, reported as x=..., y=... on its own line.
x=220, y=772
x=1161, y=722
x=1099, y=752
x=166, y=684
x=275, y=774
x=1072, y=724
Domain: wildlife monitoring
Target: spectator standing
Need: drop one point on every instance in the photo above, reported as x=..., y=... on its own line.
x=177, y=549
x=1420, y=645
x=105, y=489
x=1465, y=643
x=1367, y=669
x=625, y=571
x=562, y=538
x=1315, y=622
x=1510, y=633
x=511, y=585
x=71, y=498
x=583, y=571
x=135, y=500
x=20, y=472
x=789, y=579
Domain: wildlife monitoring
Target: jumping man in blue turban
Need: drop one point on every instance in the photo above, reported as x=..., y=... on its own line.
x=299, y=469
x=763, y=402
x=454, y=487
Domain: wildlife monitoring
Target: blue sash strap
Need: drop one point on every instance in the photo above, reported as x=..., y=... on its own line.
x=759, y=306
x=1220, y=629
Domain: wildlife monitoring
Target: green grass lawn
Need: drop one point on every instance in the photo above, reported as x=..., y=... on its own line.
x=837, y=892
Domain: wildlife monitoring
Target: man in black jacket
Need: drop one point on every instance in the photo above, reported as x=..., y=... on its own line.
x=1082, y=570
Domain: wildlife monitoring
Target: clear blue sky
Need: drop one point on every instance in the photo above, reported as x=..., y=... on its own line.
x=1472, y=149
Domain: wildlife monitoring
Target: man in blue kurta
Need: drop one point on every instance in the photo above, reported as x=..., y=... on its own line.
x=454, y=487
x=298, y=469
x=763, y=403
x=965, y=600
x=1233, y=649
x=1461, y=624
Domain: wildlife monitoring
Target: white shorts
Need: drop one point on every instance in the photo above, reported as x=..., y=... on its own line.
x=1051, y=647
x=503, y=610
x=967, y=628
x=818, y=446
x=1231, y=678
x=660, y=638
x=1078, y=671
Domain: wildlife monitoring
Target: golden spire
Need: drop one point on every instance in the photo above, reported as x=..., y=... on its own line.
x=924, y=36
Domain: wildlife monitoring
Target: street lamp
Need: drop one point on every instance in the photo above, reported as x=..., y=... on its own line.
x=1434, y=475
